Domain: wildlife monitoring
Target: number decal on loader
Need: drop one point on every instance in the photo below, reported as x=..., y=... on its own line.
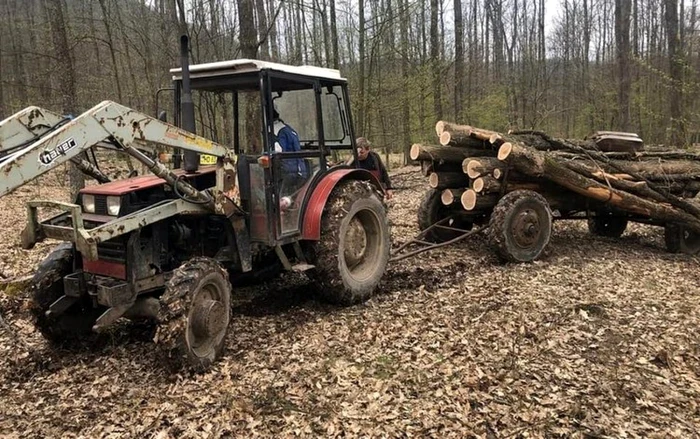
x=206, y=159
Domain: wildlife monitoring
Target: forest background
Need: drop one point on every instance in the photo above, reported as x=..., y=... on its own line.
x=567, y=67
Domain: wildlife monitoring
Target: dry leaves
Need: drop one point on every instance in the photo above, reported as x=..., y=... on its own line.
x=598, y=339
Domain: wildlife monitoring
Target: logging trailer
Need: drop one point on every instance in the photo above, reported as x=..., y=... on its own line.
x=514, y=186
x=168, y=246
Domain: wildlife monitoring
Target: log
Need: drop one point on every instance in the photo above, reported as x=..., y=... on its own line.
x=427, y=167
x=486, y=184
x=476, y=167
x=441, y=126
x=450, y=196
x=441, y=180
x=489, y=185
x=446, y=154
x=536, y=163
x=472, y=201
x=461, y=139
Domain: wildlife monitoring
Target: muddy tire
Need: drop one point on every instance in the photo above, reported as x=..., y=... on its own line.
x=607, y=224
x=431, y=210
x=352, y=254
x=195, y=315
x=46, y=287
x=520, y=226
x=681, y=240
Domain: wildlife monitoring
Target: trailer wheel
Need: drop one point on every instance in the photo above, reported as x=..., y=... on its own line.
x=520, y=226
x=195, y=314
x=681, y=240
x=46, y=287
x=432, y=210
x=352, y=254
x=607, y=224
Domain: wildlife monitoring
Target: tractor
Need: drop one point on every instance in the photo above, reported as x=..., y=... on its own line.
x=170, y=246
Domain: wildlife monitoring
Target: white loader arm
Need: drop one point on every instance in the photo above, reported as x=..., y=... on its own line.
x=25, y=127
x=106, y=122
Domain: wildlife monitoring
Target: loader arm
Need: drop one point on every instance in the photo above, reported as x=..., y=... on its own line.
x=31, y=124
x=107, y=122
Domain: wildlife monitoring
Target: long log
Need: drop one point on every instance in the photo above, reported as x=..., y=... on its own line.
x=462, y=139
x=446, y=154
x=536, y=163
x=427, y=167
x=440, y=180
x=441, y=126
x=450, y=196
x=472, y=201
x=476, y=167
x=489, y=185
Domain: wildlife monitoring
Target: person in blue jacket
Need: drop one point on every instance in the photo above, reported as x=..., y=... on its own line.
x=286, y=139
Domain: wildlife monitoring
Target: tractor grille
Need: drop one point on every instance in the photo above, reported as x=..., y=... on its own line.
x=100, y=204
x=113, y=250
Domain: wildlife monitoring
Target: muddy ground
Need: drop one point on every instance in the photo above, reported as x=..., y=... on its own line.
x=598, y=339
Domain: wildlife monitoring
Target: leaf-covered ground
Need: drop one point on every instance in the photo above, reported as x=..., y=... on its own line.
x=598, y=339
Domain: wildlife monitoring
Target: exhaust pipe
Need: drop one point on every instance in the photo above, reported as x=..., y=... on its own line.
x=191, y=158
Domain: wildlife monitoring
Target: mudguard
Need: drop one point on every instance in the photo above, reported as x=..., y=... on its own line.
x=311, y=226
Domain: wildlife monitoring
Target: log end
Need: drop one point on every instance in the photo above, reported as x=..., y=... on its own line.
x=471, y=168
x=505, y=150
x=440, y=127
x=447, y=197
x=445, y=138
x=433, y=180
x=478, y=185
x=469, y=199
x=497, y=173
x=415, y=151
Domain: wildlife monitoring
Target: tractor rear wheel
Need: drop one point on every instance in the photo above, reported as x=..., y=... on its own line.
x=46, y=287
x=195, y=314
x=520, y=226
x=353, y=251
x=607, y=224
x=431, y=211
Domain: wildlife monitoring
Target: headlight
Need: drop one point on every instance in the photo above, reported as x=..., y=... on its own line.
x=89, y=203
x=113, y=205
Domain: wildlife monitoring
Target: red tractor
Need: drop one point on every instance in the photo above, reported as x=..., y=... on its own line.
x=170, y=246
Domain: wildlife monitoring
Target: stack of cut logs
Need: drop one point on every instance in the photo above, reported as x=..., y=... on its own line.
x=474, y=168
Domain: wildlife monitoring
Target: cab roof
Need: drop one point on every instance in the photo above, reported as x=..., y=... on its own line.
x=248, y=66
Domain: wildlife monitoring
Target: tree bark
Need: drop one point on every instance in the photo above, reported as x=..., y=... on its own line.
x=446, y=154
x=440, y=180
x=65, y=76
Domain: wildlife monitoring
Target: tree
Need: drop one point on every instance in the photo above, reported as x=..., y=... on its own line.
x=65, y=77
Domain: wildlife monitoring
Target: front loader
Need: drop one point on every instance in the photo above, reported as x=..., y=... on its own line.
x=170, y=246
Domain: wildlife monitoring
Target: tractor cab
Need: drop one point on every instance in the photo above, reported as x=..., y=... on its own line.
x=261, y=106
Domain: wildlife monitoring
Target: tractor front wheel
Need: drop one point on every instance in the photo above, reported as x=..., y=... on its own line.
x=46, y=287
x=195, y=314
x=353, y=251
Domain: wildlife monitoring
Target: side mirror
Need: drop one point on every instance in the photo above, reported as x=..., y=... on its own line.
x=163, y=116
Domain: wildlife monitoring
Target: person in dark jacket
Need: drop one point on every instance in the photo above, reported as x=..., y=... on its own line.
x=370, y=160
x=286, y=139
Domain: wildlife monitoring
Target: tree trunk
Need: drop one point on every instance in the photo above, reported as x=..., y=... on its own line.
x=65, y=76
x=446, y=154
x=440, y=180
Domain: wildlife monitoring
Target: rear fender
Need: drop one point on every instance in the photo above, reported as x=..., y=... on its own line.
x=311, y=226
